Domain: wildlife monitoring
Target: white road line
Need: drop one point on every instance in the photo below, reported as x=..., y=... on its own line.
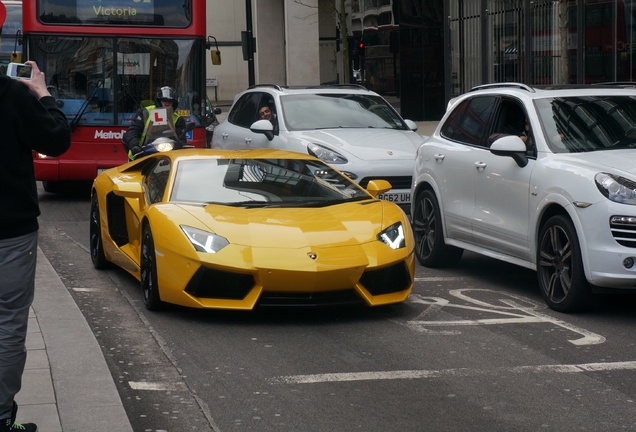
x=512, y=309
x=156, y=386
x=463, y=372
x=439, y=279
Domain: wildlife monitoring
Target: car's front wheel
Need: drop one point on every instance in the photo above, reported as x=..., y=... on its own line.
x=148, y=269
x=560, y=266
x=430, y=248
x=95, y=233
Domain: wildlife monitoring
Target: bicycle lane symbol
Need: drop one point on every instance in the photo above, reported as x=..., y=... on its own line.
x=512, y=310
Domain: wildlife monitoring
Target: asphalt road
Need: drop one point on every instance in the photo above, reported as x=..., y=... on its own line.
x=473, y=349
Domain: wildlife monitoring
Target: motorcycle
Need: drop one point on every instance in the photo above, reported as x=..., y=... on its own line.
x=210, y=120
x=161, y=135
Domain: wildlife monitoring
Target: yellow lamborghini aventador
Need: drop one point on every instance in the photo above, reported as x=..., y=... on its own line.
x=239, y=229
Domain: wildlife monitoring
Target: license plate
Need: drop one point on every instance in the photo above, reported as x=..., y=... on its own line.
x=397, y=197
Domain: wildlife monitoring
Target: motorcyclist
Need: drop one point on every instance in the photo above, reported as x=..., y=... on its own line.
x=135, y=136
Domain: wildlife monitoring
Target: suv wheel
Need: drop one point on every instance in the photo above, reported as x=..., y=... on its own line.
x=560, y=267
x=430, y=249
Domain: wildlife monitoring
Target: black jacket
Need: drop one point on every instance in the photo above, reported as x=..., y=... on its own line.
x=27, y=124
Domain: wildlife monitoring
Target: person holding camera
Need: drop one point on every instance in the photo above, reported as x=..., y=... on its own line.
x=134, y=137
x=32, y=122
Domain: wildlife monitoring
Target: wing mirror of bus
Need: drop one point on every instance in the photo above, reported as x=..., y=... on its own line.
x=215, y=54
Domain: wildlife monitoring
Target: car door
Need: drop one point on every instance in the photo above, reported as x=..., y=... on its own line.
x=235, y=133
x=502, y=189
x=463, y=138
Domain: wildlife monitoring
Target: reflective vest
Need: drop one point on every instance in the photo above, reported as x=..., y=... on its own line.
x=175, y=117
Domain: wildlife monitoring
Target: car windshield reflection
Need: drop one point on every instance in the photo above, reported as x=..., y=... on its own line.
x=335, y=111
x=262, y=183
x=588, y=123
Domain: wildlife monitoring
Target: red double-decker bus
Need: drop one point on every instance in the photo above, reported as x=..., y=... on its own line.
x=103, y=61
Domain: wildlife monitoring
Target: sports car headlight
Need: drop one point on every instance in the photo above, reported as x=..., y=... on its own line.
x=325, y=154
x=616, y=188
x=393, y=236
x=204, y=241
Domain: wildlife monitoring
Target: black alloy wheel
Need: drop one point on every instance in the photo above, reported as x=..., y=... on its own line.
x=95, y=231
x=148, y=269
x=430, y=248
x=560, y=266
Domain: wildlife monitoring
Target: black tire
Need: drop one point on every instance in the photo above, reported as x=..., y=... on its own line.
x=52, y=187
x=148, y=271
x=430, y=248
x=560, y=267
x=95, y=228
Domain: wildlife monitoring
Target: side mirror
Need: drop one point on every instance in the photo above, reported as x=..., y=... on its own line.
x=411, y=124
x=511, y=146
x=265, y=127
x=189, y=125
x=378, y=187
x=215, y=56
x=128, y=190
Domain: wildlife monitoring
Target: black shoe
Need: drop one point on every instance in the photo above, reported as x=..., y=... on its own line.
x=25, y=427
x=10, y=425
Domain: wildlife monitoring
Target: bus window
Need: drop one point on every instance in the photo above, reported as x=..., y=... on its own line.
x=11, y=40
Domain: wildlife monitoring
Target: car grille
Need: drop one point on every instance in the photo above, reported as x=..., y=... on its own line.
x=209, y=283
x=331, y=298
x=387, y=280
x=401, y=182
x=624, y=230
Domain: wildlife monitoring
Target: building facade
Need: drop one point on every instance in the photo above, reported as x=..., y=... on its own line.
x=421, y=53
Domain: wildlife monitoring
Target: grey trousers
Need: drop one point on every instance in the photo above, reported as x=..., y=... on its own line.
x=17, y=285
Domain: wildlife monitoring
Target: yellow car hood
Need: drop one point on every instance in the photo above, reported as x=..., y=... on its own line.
x=336, y=225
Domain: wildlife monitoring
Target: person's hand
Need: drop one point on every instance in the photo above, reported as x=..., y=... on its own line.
x=136, y=150
x=37, y=83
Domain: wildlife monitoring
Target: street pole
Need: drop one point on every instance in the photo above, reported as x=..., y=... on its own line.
x=250, y=43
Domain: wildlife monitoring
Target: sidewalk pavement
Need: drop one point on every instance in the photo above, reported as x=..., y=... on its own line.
x=66, y=385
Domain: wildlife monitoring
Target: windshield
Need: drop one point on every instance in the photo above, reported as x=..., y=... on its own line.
x=102, y=81
x=588, y=123
x=262, y=183
x=331, y=111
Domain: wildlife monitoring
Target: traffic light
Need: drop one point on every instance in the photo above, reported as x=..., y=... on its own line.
x=361, y=48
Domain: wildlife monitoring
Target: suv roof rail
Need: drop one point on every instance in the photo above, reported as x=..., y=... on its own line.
x=521, y=86
x=276, y=86
x=615, y=83
x=319, y=86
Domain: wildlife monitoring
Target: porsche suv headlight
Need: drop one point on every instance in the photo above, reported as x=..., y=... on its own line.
x=393, y=236
x=326, y=154
x=616, y=188
x=204, y=241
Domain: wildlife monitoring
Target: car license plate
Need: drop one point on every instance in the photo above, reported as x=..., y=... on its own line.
x=396, y=197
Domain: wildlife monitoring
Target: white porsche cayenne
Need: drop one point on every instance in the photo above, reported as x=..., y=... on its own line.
x=544, y=178
x=349, y=127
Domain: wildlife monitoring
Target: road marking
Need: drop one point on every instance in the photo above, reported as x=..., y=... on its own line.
x=157, y=386
x=86, y=289
x=452, y=373
x=439, y=279
x=510, y=309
